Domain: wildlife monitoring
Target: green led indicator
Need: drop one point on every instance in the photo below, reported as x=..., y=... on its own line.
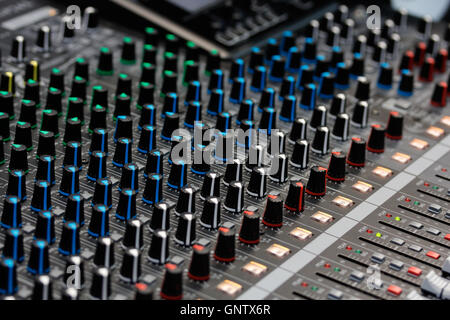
x=337, y=269
x=358, y=251
x=416, y=203
x=81, y=60
x=314, y=288
x=398, y=219
x=435, y=187
x=171, y=37
x=191, y=44
x=127, y=40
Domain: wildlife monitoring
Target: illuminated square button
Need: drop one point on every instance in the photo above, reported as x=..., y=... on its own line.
x=255, y=268
x=435, y=132
x=342, y=202
x=433, y=255
x=229, y=287
x=415, y=271
x=419, y=144
x=322, y=217
x=382, y=172
x=446, y=120
x=278, y=250
x=395, y=290
x=362, y=187
x=401, y=157
x=301, y=233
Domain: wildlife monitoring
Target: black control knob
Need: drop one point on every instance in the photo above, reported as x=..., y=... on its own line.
x=103, y=192
x=426, y=73
x=233, y=171
x=18, y=48
x=72, y=130
x=104, y=252
x=336, y=166
x=42, y=289
x=169, y=83
x=309, y=50
x=256, y=59
x=97, y=166
x=44, y=39
x=316, y=185
x=128, y=56
x=237, y=92
x=211, y=185
x=210, y=217
x=376, y=139
x=122, y=108
x=279, y=168
x=246, y=111
x=123, y=153
x=171, y=123
x=4, y=127
x=143, y=291
x=130, y=270
x=439, y=96
x=441, y=61
x=147, y=140
x=105, y=65
x=249, y=232
x=153, y=191
x=148, y=70
x=70, y=239
x=199, y=265
x=308, y=100
x=226, y=243
x=161, y=217
x=406, y=84
x=70, y=182
x=8, y=276
x=259, y=79
x=257, y=186
x=385, y=76
x=13, y=245
x=295, y=198
x=326, y=87
x=273, y=212
x=342, y=79
x=178, y=175
x=186, y=233
x=357, y=154
x=268, y=120
x=216, y=102
x=99, y=224
x=341, y=127
x=234, y=200
x=159, y=247
x=72, y=155
x=360, y=115
x=12, y=213
x=172, y=284
x=321, y=142
x=45, y=227
x=394, y=127
x=124, y=128
x=300, y=154
x=357, y=68
x=18, y=158
x=39, y=262
x=75, y=209
x=46, y=144
x=98, y=118
x=101, y=283
x=23, y=135
x=154, y=163
x=277, y=67
x=126, y=208
x=305, y=77
x=17, y=185
x=288, y=108
x=129, y=178
x=186, y=200
x=363, y=89
x=41, y=196
x=424, y=26
x=298, y=130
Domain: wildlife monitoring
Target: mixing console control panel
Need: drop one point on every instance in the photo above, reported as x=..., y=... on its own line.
x=339, y=190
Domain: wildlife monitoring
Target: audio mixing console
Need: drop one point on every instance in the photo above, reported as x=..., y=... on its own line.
x=349, y=200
